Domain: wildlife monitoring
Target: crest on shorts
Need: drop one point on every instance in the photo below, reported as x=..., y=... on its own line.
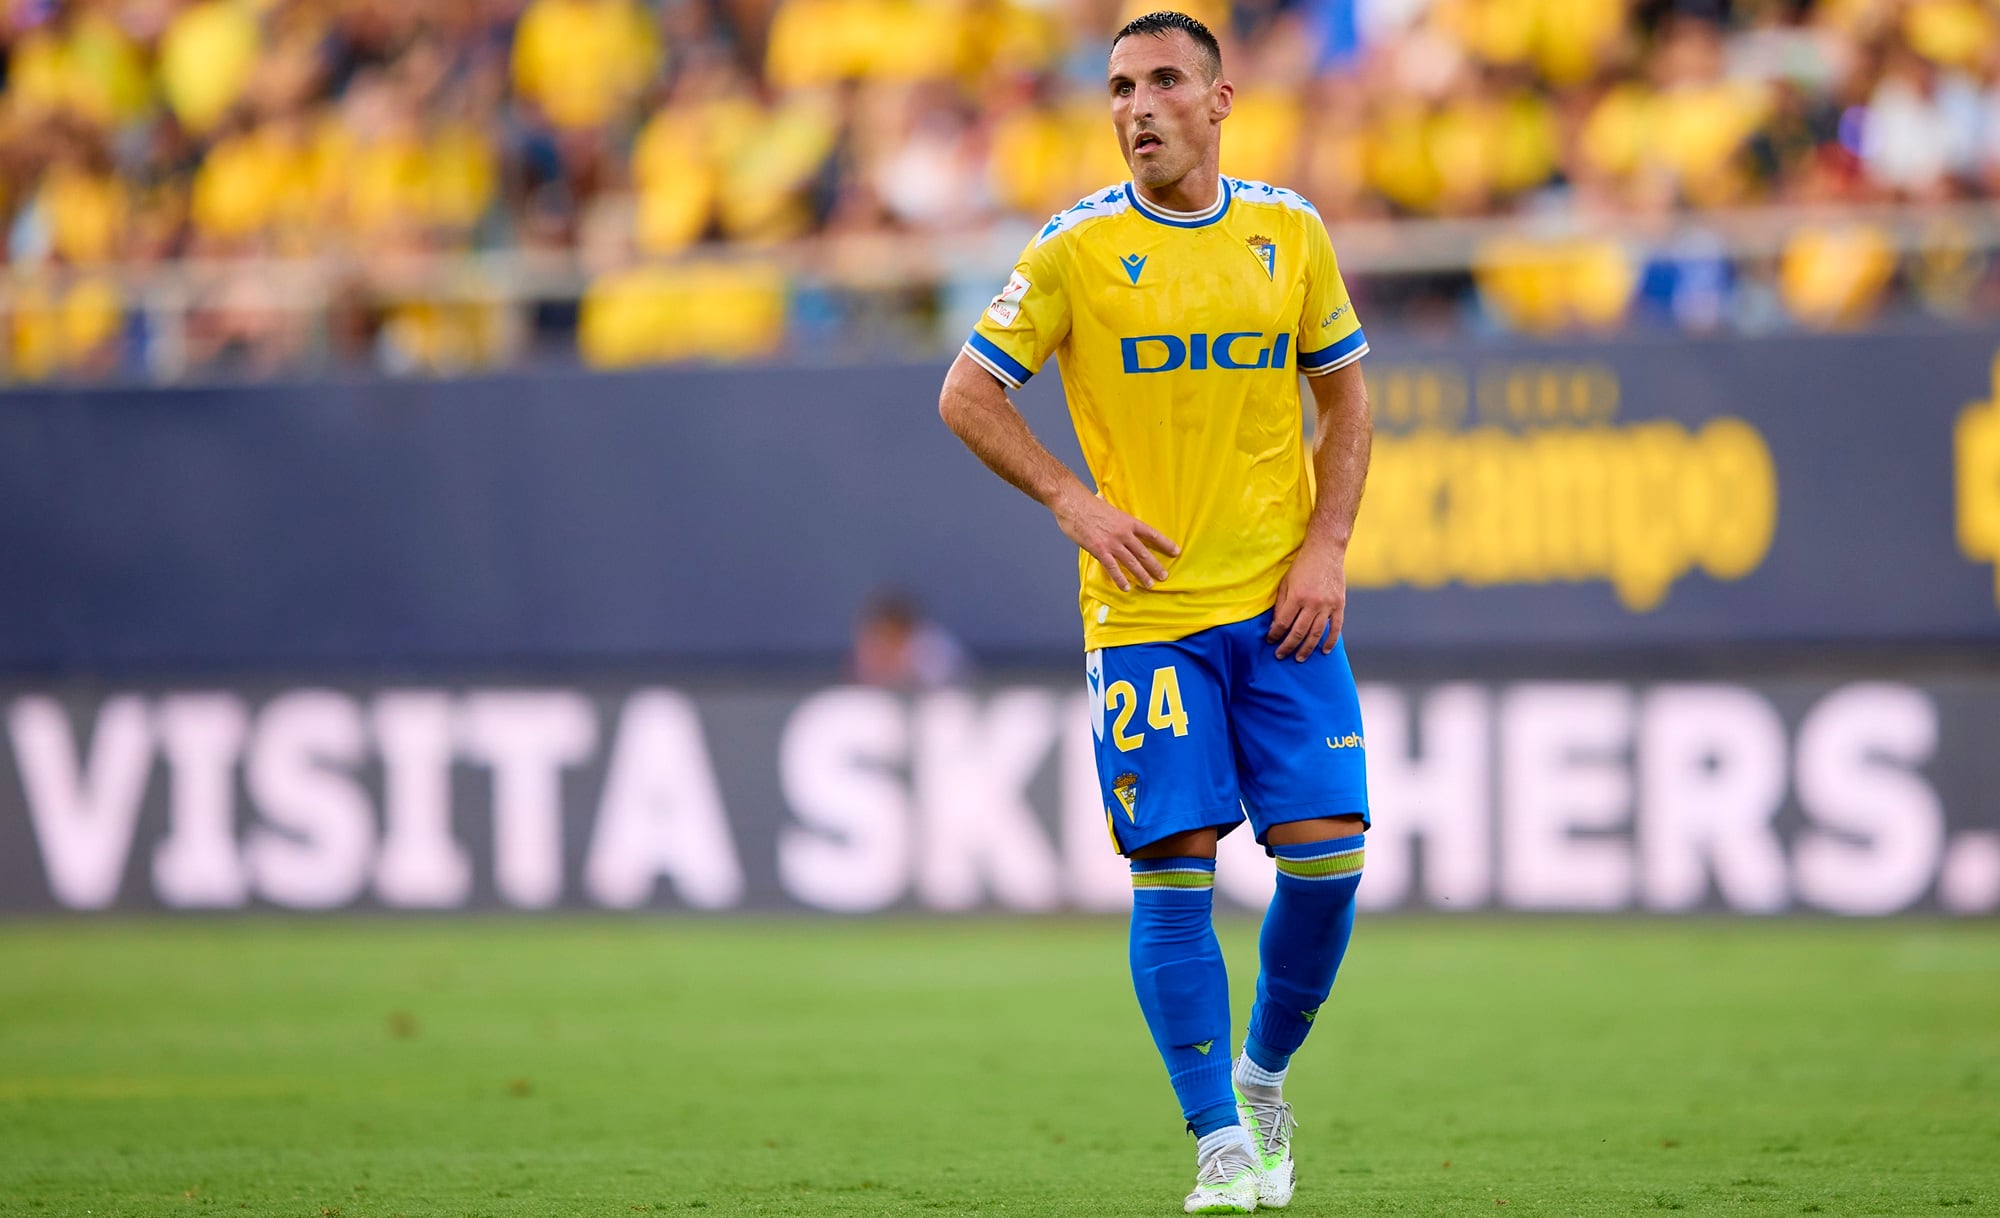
x=1126, y=788
x=1266, y=251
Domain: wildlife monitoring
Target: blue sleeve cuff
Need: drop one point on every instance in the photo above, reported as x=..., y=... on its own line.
x=987, y=354
x=1339, y=355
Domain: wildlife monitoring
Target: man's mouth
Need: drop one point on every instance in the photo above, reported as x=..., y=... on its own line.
x=1147, y=142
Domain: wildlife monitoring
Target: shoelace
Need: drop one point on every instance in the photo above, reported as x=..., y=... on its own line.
x=1222, y=1167
x=1275, y=1123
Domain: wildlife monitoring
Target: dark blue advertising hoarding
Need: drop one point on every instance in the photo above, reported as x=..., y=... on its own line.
x=1637, y=495
x=1832, y=489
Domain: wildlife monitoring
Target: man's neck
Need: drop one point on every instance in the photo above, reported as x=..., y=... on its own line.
x=1197, y=191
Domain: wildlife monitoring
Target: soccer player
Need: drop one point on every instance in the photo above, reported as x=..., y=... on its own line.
x=1183, y=306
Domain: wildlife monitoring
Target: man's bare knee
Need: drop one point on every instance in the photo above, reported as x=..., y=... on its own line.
x=1322, y=829
x=1194, y=844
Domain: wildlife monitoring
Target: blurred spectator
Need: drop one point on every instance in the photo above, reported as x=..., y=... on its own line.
x=664, y=314
x=1688, y=284
x=1541, y=286
x=205, y=60
x=583, y=63
x=1833, y=275
x=896, y=647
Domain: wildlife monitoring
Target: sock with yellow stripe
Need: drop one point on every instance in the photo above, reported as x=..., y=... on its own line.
x=1305, y=934
x=1183, y=988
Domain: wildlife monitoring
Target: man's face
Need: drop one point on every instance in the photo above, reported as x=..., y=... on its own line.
x=1164, y=106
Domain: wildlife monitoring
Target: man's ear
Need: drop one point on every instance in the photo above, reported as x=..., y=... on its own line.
x=1225, y=98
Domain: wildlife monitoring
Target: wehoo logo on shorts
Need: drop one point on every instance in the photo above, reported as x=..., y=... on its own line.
x=1351, y=740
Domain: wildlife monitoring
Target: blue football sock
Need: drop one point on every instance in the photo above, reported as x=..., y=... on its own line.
x=1183, y=988
x=1305, y=934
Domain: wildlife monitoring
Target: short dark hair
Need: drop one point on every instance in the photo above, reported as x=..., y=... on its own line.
x=1165, y=22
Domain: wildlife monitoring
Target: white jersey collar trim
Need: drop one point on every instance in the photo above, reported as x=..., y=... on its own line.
x=1183, y=219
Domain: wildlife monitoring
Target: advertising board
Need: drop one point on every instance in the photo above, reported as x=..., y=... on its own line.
x=1631, y=495
x=1859, y=797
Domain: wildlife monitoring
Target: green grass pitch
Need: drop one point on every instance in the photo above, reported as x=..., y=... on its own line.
x=508, y=1066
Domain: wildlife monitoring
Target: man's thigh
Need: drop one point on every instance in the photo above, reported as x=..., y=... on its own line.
x=1165, y=757
x=1300, y=751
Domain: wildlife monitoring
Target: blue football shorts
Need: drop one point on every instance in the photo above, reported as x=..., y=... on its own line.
x=1195, y=733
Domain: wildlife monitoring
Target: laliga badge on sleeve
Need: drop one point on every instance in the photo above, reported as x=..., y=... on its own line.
x=1007, y=305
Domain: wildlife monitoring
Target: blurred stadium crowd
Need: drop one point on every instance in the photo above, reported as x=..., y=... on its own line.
x=249, y=186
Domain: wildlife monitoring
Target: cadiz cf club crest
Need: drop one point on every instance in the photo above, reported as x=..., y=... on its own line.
x=1266, y=251
x=1126, y=788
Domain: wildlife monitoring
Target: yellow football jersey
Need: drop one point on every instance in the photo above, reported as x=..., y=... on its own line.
x=1181, y=337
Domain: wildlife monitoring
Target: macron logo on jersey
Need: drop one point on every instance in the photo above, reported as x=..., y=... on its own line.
x=1237, y=351
x=1133, y=264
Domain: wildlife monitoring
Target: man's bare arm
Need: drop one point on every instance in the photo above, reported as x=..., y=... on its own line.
x=976, y=409
x=1312, y=600
x=1341, y=445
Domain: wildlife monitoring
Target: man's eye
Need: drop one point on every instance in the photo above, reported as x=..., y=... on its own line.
x=1166, y=82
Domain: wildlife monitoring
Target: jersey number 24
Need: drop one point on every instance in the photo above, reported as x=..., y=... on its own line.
x=1163, y=708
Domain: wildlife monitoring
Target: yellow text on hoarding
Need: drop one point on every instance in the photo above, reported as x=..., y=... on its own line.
x=1977, y=453
x=1637, y=505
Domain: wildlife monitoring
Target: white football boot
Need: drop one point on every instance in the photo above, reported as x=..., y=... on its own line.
x=1269, y=1120
x=1226, y=1183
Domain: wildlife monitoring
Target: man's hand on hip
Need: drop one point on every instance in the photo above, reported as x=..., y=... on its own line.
x=1120, y=542
x=1312, y=601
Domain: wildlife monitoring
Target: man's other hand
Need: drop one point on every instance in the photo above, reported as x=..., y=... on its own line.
x=1312, y=601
